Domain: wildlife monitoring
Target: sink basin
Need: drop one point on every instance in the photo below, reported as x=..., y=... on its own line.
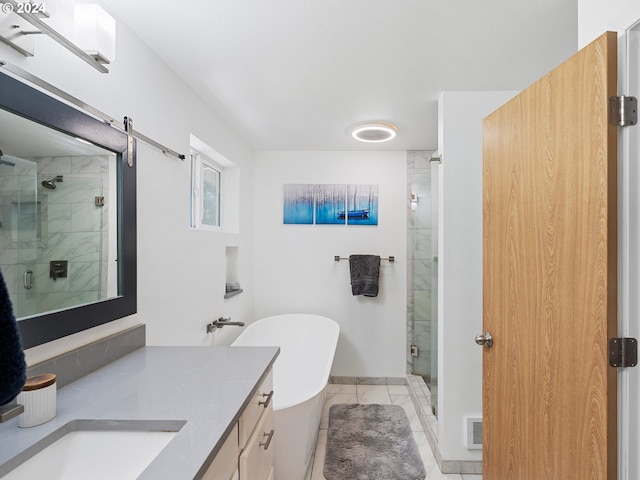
x=96, y=449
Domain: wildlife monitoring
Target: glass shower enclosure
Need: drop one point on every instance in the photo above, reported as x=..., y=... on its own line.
x=422, y=238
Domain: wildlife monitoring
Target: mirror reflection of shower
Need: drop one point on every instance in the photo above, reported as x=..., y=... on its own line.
x=36, y=221
x=51, y=184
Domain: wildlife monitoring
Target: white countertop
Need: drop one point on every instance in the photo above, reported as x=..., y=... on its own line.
x=206, y=387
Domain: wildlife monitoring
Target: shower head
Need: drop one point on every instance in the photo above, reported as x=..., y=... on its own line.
x=51, y=184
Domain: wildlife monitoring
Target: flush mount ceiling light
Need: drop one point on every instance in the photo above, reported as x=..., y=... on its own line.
x=374, y=132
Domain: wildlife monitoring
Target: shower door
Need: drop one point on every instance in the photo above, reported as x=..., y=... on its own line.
x=422, y=269
x=20, y=230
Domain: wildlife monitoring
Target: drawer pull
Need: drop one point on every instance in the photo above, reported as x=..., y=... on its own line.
x=266, y=444
x=268, y=400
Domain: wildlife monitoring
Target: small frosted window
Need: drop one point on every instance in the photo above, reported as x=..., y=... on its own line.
x=210, y=196
x=215, y=190
x=206, y=197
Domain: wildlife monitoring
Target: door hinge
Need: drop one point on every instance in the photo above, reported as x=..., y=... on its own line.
x=414, y=350
x=623, y=352
x=623, y=111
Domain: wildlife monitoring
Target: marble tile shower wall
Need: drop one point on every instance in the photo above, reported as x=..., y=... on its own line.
x=420, y=261
x=70, y=227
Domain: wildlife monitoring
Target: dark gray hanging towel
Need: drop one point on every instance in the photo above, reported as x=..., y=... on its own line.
x=365, y=272
x=13, y=369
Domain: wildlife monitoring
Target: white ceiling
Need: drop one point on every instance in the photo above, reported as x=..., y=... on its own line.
x=296, y=74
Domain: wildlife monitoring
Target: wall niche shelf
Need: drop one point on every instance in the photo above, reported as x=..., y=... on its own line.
x=232, y=285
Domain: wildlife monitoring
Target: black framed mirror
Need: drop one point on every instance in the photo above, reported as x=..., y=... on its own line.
x=67, y=215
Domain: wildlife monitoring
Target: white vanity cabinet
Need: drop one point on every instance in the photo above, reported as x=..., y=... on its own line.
x=256, y=434
x=256, y=458
x=225, y=465
x=247, y=453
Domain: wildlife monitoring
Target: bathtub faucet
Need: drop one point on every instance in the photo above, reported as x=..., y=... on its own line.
x=222, y=322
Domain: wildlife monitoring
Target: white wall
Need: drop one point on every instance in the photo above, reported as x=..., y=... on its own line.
x=180, y=271
x=294, y=266
x=460, y=117
x=597, y=16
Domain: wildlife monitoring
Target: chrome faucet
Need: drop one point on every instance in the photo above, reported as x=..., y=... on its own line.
x=222, y=322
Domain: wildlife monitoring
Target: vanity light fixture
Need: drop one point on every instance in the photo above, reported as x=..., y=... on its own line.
x=95, y=32
x=22, y=23
x=374, y=132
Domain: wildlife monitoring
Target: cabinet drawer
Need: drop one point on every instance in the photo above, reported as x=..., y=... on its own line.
x=257, y=458
x=260, y=402
x=225, y=465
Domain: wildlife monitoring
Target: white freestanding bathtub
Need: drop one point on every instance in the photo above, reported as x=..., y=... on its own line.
x=300, y=376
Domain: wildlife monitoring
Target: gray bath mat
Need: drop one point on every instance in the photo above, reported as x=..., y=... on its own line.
x=371, y=442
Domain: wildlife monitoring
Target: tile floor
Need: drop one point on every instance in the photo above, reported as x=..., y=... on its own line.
x=384, y=394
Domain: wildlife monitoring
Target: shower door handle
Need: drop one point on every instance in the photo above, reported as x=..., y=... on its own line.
x=27, y=279
x=485, y=339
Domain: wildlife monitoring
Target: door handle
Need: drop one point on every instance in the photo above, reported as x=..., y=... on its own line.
x=484, y=339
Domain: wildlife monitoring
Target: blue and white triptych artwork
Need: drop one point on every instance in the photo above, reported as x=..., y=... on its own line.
x=330, y=204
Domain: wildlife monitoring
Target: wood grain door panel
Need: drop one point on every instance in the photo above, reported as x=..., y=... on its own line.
x=550, y=275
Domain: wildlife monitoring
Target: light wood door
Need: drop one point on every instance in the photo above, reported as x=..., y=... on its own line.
x=550, y=275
